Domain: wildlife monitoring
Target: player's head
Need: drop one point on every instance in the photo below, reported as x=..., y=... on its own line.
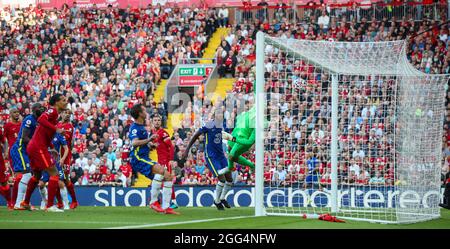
x=14, y=114
x=37, y=109
x=218, y=116
x=156, y=121
x=58, y=101
x=138, y=112
x=66, y=115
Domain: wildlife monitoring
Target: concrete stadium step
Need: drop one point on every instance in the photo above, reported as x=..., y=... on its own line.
x=159, y=92
x=213, y=44
x=224, y=86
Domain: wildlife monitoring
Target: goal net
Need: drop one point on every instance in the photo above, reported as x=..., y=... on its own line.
x=352, y=129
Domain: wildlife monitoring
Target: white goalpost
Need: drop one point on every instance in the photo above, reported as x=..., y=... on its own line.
x=350, y=129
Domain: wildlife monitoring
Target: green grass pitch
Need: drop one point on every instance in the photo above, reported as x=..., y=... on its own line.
x=143, y=217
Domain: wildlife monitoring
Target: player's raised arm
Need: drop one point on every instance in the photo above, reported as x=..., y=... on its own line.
x=168, y=141
x=193, y=139
x=44, y=121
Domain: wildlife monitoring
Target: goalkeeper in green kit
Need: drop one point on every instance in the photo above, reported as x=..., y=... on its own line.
x=241, y=139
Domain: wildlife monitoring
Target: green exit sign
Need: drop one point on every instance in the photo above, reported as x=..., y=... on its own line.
x=192, y=71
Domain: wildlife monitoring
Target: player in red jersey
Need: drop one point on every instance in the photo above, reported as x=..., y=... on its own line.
x=40, y=158
x=11, y=131
x=164, y=149
x=12, y=128
x=68, y=128
x=5, y=191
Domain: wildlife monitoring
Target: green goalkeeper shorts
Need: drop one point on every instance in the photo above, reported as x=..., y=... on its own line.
x=237, y=149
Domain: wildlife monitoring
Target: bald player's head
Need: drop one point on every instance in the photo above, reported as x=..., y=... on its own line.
x=14, y=114
x=37, y=109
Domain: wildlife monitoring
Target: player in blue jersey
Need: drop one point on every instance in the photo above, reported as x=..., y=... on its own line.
x=141, y=162
x=18, y=153
x=215, y=157
x=60, y=144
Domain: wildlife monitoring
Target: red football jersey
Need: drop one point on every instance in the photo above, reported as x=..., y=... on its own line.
x=68, y=135
x=45, y=131
x=164, y=147
x=126, y=170
x=11, y=130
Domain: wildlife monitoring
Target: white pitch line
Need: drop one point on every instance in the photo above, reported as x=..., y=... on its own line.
x=179, y=222
x=68, y=222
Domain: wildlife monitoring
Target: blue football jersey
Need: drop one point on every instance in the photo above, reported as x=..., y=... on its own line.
x=213, y=139
x=312, y=164
x=29, y=122
x=138, y=131
x=59, y=141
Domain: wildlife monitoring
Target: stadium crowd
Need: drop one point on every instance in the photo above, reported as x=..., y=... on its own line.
x=106, y=60
x=300, y=153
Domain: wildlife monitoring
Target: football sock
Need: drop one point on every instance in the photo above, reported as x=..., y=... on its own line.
x=43, y=192
x=52, y=189
x=156, y=187
x=219, y=189
x=16, y=184
x=64, y=196
x=71, y=191
x=58, y=196
x=22, y=188
x=167, y=192
x=32, y=184
x=225, y=190
x=174, y=199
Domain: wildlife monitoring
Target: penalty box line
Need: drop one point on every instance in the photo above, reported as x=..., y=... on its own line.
x=180, y=222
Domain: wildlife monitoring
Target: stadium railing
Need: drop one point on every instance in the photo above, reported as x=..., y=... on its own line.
x=416, y=11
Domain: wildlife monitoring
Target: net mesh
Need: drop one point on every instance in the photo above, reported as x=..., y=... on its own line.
x=389, y=131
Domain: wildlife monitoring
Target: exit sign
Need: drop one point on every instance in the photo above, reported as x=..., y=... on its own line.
x=193, y=76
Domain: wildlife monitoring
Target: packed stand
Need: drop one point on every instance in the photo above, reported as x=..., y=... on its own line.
x=104, y=61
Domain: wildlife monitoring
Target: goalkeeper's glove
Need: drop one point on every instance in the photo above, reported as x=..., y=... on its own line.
x=228, y=136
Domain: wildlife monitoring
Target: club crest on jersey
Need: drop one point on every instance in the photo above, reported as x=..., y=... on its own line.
x=50, y=111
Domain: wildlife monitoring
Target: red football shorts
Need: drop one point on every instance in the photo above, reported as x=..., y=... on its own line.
x=40, y=159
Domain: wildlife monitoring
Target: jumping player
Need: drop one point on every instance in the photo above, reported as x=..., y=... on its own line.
x=40, y=158
x=140, y=161
x=11, y=132
x=19, y=156
x=5, y=190
x=164, y=149
x=215, y=157
x=241, y=139
x=68, y=128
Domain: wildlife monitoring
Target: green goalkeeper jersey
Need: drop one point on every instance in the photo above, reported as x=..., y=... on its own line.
x=244, y=132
